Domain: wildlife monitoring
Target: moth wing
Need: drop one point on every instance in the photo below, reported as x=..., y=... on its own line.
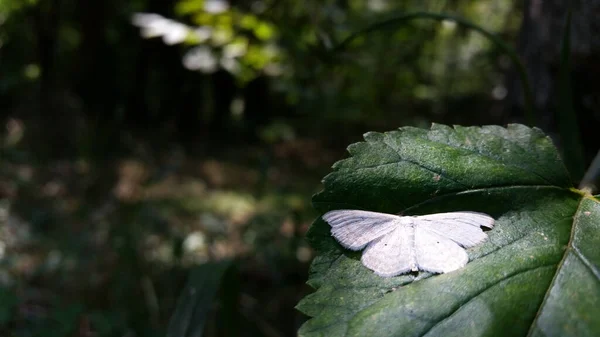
x=463, y=228
x=391, y=254
x=355, y=229
x=436, y=253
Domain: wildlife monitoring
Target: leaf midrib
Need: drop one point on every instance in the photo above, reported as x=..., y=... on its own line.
x=485, y=189
x=516, y=273
x=345, y=322
x=472, y=151
x=570, y=248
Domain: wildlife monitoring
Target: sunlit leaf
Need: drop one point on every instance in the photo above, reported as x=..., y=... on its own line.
x=225, y=19
x=264, y=31
x=222, y=35
x=203, y=19
x=248, y=21
x=236, y=48
x=538, y=273
x=185, y=7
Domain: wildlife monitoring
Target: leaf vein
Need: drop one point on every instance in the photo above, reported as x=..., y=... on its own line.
x=485, y=189
x=587, y=263
x=496, y=159
x=484, y=290
x=498, y=247
x=441, y=174
x=560, y=264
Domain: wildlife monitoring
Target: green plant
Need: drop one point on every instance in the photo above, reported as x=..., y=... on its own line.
x=538, y=274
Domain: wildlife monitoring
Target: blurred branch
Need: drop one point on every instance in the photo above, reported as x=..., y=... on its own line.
x=568, y=128
x=151, y=300
x=403, y=18
x=591, y=177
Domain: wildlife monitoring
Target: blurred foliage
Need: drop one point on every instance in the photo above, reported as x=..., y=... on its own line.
x=83, y=252
x=423, y=64
x=404, y=18
x=8, y=6
x=97, y=66
x=239, y=42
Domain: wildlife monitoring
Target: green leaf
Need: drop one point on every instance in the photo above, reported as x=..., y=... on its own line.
x=196, y=300
x=538, y=273
x=264, y=31
x=186, y=7
x=248, y=21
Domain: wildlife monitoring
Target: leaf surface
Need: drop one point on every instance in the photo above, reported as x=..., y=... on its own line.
x=538, y=273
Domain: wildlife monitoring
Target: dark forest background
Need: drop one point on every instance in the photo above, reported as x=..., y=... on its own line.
x=144, y=139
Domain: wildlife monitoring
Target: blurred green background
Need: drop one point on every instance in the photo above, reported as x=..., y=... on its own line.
x=145, y=139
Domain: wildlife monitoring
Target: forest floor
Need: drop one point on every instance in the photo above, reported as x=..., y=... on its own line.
x=103, y=247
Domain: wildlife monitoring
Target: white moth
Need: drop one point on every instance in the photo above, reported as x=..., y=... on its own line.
x=399, y=244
